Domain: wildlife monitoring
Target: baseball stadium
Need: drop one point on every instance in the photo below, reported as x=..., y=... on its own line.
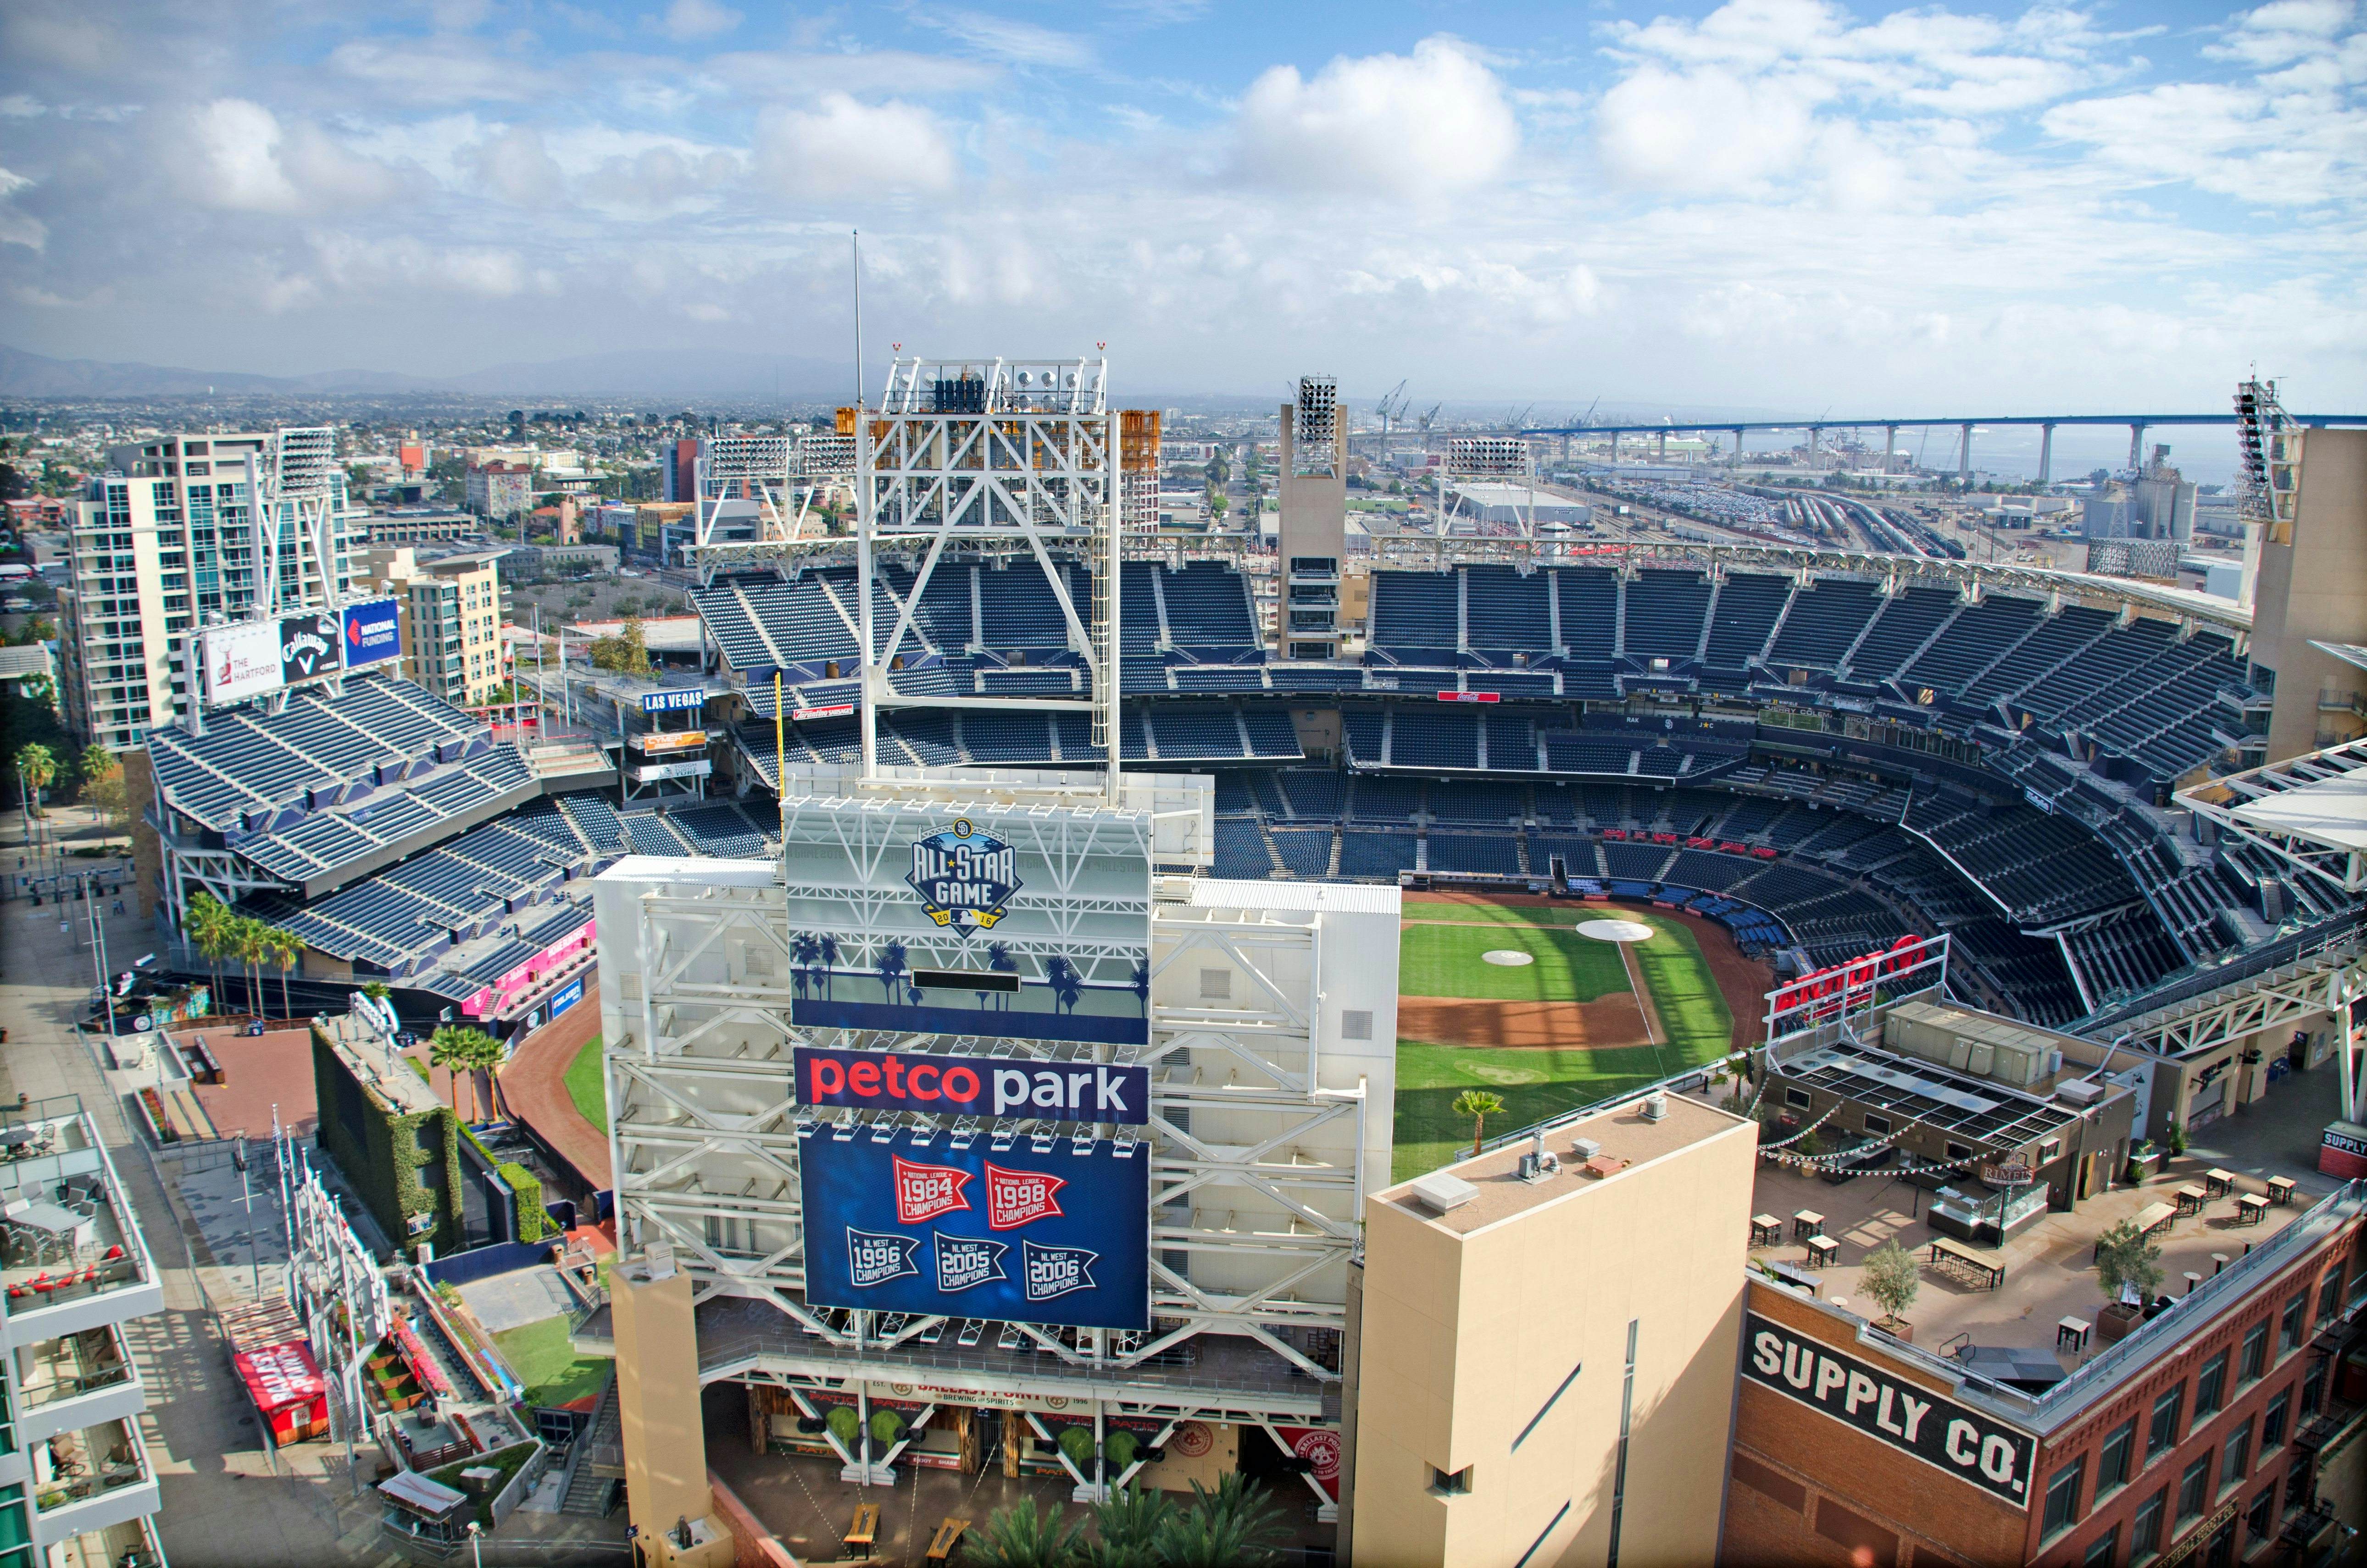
x=1329, y=844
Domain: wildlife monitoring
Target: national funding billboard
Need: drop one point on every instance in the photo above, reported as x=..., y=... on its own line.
x=983, y=921
x=1022, y=1232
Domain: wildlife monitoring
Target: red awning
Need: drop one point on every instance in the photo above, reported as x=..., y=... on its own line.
x=280, y=1376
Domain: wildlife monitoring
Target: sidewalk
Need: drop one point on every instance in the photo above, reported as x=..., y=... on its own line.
x=221, y=1503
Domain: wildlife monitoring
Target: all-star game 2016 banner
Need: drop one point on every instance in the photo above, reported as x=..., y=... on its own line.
x=1016, y=1235
x=951, y=923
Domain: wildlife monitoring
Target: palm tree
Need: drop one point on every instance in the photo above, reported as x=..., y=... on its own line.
x=1140, y=980
x=1235, y=1526
x=486, y=1055
x=829, y=945
x=999, y=959
x=1062, y=978
x=1021, y=1536
x=448, y=1047
x=1478, y=1105
x=1126, y=1528
x=37, y=769
x=206, y=925
x=891, y=965
x=285, y=951
x=246, y=946
x=803, y=951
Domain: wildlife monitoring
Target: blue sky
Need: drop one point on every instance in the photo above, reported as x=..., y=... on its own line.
x=1776, y=203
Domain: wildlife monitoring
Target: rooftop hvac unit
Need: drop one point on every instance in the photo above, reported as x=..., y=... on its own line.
x=1656, y=1107
x=1585, y=1148
x=1442, y=1192
x=2079, y=1092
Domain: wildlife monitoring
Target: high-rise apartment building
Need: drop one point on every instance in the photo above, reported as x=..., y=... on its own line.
x=451, y=614
x=78, y=1482
x=500, y=489
x=166, y=542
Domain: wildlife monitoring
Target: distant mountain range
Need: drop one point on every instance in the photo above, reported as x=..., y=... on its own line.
x=626, y=372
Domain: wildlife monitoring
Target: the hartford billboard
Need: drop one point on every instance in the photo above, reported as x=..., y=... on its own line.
x=1057, y=1232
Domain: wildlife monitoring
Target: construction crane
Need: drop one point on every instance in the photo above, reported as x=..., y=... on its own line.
x=1391, y=408
x=1425, y=421
x=1517, y=417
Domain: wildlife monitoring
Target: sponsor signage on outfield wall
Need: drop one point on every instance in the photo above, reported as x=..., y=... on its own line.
x=1970, y=1445
x=973, y=1085
x=674, y=700
x=242, y=661
x=916, y=1225
x=372, y=632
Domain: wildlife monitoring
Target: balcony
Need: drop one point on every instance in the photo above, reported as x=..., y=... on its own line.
x=90, y=1477
x=76, y=1380
x=72, y=1257
x=131, y=1544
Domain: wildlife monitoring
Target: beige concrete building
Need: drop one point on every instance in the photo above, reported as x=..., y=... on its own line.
x=2313, y=587
x=1545, y=1369
x=1311, y=541
x=452, y=611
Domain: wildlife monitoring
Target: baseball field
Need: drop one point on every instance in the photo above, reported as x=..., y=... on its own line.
x=1505, y=995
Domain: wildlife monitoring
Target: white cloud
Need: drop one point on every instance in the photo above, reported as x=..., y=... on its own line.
x=440, y=71
x=246, y=160
x=366, y=265
x=22, y=106
x=514, y=165
x=688, y=19
x=842, y=146
x=1707, y=129
x=237, y=145
x=18, y=228
x=1386, y=124
x=1005, y=38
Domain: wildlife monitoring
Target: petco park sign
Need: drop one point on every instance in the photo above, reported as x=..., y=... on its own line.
x=1950, y=1437
x=973, y=1085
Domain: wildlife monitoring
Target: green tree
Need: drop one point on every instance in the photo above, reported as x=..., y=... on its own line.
x=1125, y=1527
x=248, y=945
x=1478, y=1105
x=449, y=1049
x=102, y=785
x=1022, y=1534
x=1234, y=1525
x=2127, y=1257
x=627, y=653
x=37, y=769
x=285, y=951
x=1890, y=1276
x=208, y=927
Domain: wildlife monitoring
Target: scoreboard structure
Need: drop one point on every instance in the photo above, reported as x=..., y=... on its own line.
x=982, y=1091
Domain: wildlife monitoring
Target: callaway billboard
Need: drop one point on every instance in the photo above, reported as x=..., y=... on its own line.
x=372, y=632
x=1020, y=1233
x=310, y=644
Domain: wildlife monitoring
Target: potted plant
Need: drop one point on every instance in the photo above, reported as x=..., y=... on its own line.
x=2145, y=1162
x=1890, y=1278
x=2128, y=1263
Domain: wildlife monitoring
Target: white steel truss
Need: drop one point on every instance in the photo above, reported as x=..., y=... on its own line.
x=296, y=492
x=1001, y=455
x=2323, y=847
x=1257, y=1169
x=782, y=476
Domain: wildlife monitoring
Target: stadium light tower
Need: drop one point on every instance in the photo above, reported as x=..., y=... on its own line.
x=1014, y=456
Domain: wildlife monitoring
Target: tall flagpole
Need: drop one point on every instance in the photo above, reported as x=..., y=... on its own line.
x=856, y=236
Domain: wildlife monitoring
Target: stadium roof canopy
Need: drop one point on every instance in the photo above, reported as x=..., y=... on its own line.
x=2310, y=811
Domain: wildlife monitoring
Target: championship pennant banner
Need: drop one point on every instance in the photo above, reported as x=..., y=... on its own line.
x=1019, y=1234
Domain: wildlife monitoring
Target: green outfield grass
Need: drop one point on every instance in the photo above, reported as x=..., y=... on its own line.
x=1444, y=960
x=1439, y=956
x=585, y=1088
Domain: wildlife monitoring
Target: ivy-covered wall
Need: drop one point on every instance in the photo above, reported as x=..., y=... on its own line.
x=384, y=1153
